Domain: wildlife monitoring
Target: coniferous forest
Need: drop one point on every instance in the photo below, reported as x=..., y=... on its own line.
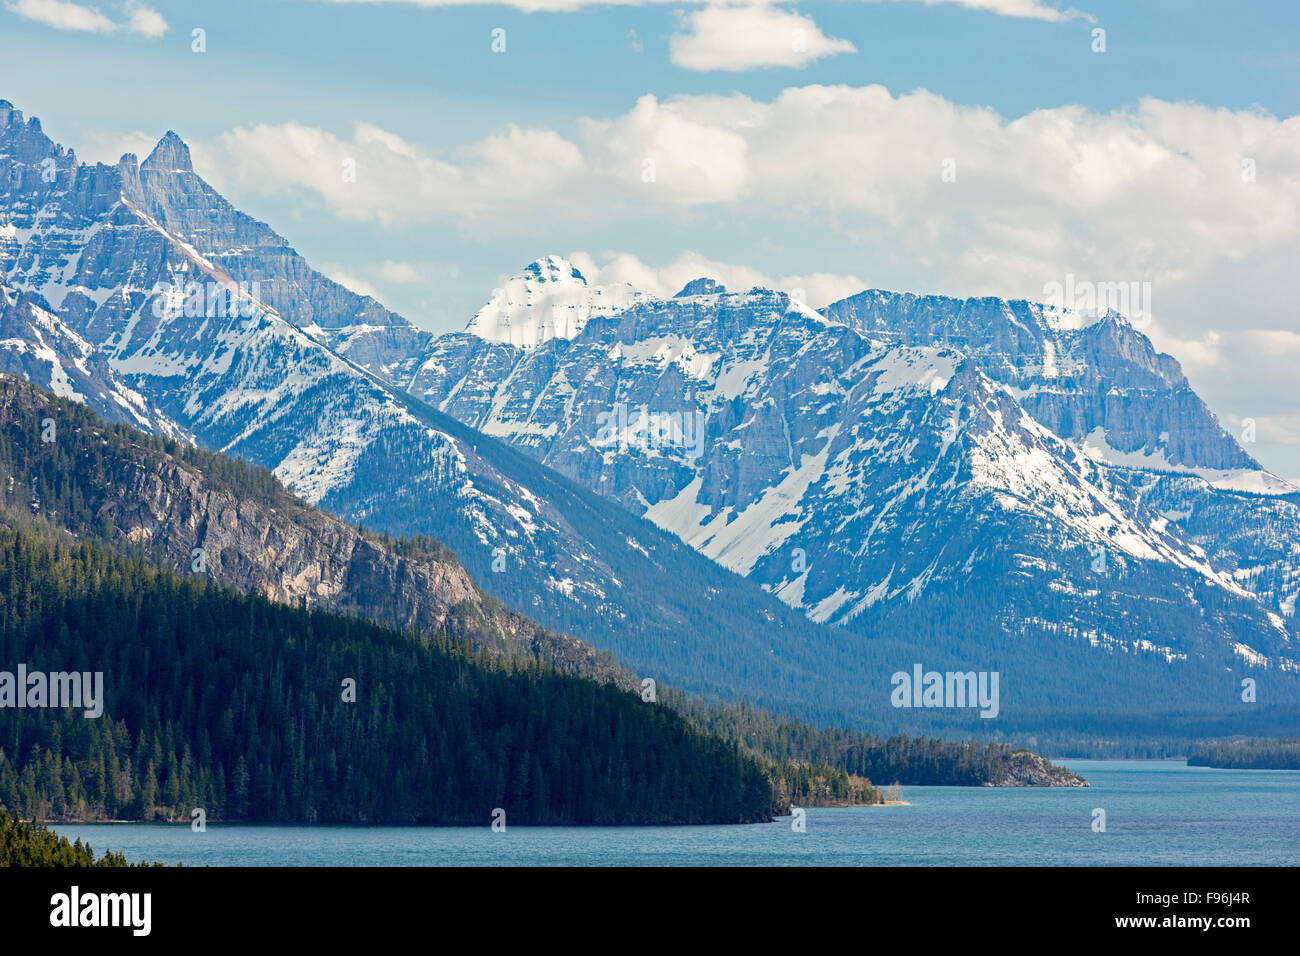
x=1255, y=754
x=30, y=844
x=913, y=760
x=235, y=705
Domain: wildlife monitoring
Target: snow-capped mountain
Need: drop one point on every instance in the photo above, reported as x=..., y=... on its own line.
x=184, y=319
x=550, y=299
x=1093, y=379
x=883, y=448
x=176, y=314
x=864, y=467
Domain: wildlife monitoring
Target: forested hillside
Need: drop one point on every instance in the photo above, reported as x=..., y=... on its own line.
x=63, y=467
x=235, y=704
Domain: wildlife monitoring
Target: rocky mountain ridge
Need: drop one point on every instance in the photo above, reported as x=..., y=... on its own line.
x=864, y=464
x=844, y=470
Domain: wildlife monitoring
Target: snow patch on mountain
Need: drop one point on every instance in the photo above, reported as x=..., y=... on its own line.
x=663, y=350
x=738, y=542
x=1251, y=480
x=910, y=369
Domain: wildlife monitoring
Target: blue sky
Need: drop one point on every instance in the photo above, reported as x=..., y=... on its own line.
x=825, y=176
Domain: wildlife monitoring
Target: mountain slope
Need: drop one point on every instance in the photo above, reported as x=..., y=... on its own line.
x=168, y=501
x=249, y=710
x=868, y=483
x=1093, y=379
x=118, y=489
x=38, y=346
x=247, y=380
x=844, y=472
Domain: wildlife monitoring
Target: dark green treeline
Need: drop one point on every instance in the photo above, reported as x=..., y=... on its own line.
x=233, y=704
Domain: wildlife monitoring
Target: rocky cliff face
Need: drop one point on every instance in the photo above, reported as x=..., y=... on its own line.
x=67, y=229
x=168, y=190
x=1092, y=379
x=177, y=319
x=175, y=314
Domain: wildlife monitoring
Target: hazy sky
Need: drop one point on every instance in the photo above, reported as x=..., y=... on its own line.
x=967, y=147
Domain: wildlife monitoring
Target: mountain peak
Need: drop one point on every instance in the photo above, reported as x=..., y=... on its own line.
x=170, y=155
x=701, y=286
x=553, y=269
x=549, y=300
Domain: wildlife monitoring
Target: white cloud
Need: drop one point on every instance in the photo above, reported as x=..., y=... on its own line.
x=614, y=268
x=145, y=21
x=64, y=15
x=108, y=148
x=402, y=272
x=1154, y=191
x=1029, y=9
x=659, y=153
x=528, y=6
x=1196, y=355
x=1277, y=429
x=747, y=36
x=376, y=174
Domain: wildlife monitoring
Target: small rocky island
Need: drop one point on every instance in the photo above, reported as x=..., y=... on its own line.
x=1024, y=768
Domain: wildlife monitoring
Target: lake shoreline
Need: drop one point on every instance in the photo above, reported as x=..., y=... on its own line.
x=1155, y=816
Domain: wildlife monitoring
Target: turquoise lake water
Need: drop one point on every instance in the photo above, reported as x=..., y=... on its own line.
x=1157, y=813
